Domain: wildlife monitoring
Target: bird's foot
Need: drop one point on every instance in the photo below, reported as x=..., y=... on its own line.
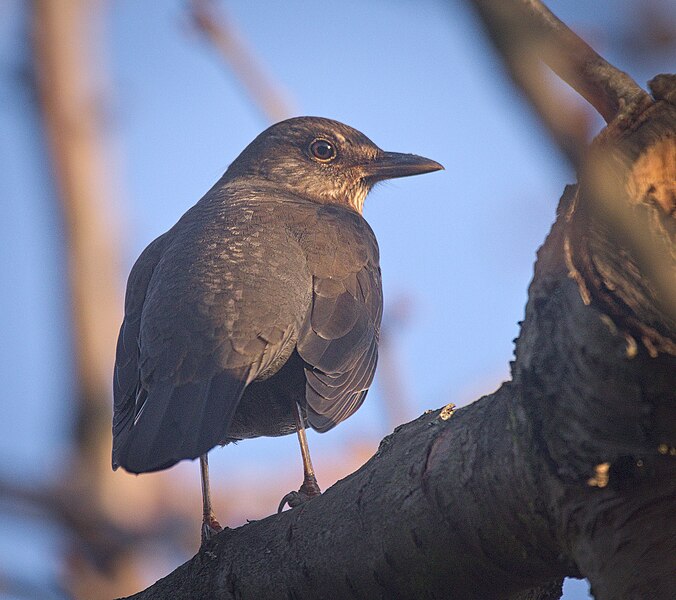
x=307, y=491
x=210, y=527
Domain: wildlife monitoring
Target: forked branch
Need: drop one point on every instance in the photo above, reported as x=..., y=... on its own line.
x=526, y=34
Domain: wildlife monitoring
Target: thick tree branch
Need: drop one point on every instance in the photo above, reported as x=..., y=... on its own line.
x=567, y=470
x=638, y=166
x=377, y=532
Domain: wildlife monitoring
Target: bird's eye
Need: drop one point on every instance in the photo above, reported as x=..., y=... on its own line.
x=322, y=150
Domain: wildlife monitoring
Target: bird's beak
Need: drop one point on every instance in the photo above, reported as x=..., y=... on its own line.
x=388, y=165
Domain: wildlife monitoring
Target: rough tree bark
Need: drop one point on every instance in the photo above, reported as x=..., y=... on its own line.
x=566, y=470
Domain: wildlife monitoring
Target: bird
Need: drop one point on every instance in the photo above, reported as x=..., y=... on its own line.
x=258, y=313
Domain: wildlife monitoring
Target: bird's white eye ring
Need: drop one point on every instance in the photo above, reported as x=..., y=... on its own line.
x=322, y=150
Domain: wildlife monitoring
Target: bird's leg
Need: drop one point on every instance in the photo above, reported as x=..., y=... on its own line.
x=210, y=526
x=310, y=487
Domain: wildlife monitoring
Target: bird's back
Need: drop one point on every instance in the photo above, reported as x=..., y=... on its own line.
x=247, y=279
x=231, y=282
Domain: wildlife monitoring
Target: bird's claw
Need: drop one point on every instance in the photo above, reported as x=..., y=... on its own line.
x=210, y=527
x=293, y=499
x=307, y=491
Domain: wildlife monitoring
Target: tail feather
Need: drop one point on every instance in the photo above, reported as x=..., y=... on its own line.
x=179, y=422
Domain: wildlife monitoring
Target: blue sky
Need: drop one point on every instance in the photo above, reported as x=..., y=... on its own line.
x=413, y=76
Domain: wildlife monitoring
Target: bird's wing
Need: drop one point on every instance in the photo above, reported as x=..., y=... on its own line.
x=126, y=375
x=339, y=339
x=215, y=314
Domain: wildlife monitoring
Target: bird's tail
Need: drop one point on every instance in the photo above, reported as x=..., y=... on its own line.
x=179, y=422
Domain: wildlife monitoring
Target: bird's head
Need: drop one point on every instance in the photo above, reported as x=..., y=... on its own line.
x=324, y=161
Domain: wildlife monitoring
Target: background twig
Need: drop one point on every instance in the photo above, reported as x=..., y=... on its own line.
x=526, y=35
x=264, y=92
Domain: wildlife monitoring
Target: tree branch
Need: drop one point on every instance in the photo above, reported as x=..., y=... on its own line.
x=69, y=83
x=609, y=90
x=263, y=91
x=526, y=34
x=567, y=470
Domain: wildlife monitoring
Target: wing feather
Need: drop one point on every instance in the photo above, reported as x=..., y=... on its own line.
x=125, y=375
x=339, y=342
x=209, y=309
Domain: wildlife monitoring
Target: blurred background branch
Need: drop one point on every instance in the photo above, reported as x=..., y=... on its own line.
x=73, y=95
x=220, y=32
x=528, y=35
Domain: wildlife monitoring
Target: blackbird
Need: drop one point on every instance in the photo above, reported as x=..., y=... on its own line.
x=258, y=313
